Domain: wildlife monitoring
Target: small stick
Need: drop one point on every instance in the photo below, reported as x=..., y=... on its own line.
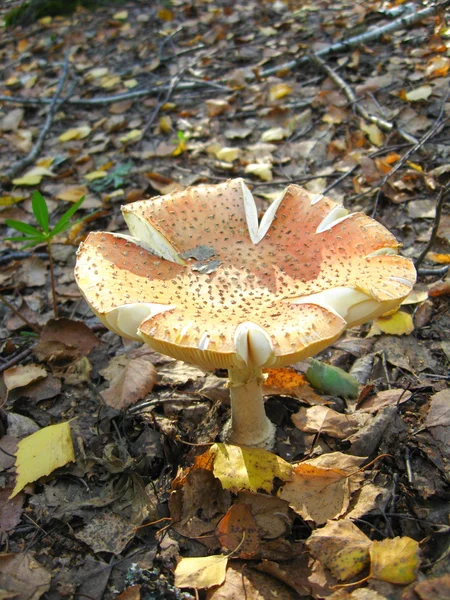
x=443, y=194
x=13, y=309
x=34, y=152
x=16, y=359
x=351, y=97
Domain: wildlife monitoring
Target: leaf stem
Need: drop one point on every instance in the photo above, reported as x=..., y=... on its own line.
x=52, y=278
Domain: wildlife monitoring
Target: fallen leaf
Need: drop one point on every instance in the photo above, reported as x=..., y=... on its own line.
x=375, y=402
x=33, y=176
x=252, y=469
x=261, y=170
x=129, y=382
x=400, y=323
x=319, y=490
x=341, y=547
x=65, y=339
x=72, y=193
x=279, y=90
x=41, y=453
x=201, y=572
x=11, y=121
x=395, y=560
x=121, y=15
x=228, y=154
x=442, y=259
x=22, y=375
x=327, y=421
x=93, y=175
x=421, y=93
x=22, y=577
x=215, y=107
x=107, y=532
x=10, y=509
x=238, y=528
x=275, y=134
x=75, y=133
x=242, y=582
x=437, y=66
x=373, y=132
x=132, y=136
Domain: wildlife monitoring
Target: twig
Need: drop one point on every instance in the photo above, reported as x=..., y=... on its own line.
x=184, y=86
x=14, y=310
x=349, y=93
x=34, y=152
x=423, y=140
x=438, y=272
x=16, y=359
x=363, y=38
x=443, y=194
x=52, y=279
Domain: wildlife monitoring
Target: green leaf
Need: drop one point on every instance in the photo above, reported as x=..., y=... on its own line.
x=332, y=380
x=40, y=210
x=27, y=238
x=63, y=222
x=23, y=227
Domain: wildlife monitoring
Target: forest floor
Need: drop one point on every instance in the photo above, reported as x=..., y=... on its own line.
x=133, y=101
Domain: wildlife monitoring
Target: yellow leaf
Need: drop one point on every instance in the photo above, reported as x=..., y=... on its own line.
x=443, y=259
x=341, y=547
x=373, y=132
x=33, y=176
x=165, y=14
x=414, y=166
x=261, y=170
x=75, y=133
x=41, y=453
x=96, y=73
x=165, y=124
x=10, y=200
x=180, y=148
x=45, y=20
x=279, y=90
x=275, y=134
x=121, y=15
x=251, y=469
x=201, y=572
x=46, y=162
x=95, y=175
x=400, y=323
x=395, y=560
x=131, y=136
x=419, y=293
x=109, y=81
x=420, y=93
x=130, y=83
x=72, y=193
x=228, y=154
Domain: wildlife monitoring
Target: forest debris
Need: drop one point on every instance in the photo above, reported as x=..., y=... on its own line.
x=22, y=375
x=41, y=453
x=22, y=576
x=327, y=421
x=131, y=379
x=107, y=532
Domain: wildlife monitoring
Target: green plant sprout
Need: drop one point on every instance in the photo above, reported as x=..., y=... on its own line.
x=33, y=236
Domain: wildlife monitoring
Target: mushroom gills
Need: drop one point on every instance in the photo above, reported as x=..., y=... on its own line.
x=126, y=319
x=350, y=304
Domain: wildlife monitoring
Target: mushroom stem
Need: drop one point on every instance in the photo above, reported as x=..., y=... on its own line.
x=249, y=425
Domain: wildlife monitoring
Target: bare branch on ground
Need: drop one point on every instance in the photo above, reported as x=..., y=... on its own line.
x=363, y=38
x=30, y=158
x=351, y=97
x=444, y=193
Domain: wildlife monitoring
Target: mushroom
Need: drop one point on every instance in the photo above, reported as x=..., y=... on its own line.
x=200, y=279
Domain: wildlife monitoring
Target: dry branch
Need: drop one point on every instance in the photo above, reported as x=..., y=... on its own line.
x=30, y=158
x=363, y=38
x=444, y=192
x=351, y=97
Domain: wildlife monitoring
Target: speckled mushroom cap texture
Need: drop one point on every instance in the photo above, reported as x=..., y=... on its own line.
x=202, y=280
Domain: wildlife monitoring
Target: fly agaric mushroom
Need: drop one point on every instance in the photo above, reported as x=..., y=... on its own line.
x=201, y=280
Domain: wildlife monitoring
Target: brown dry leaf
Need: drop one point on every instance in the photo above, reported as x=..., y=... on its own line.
x=131, y=593
x=381, y=399
x=406, y=352
x=327, y=421
x=197, y=507
x=65, y=339
x=215, y=107
x=437, y=588
x=242, y=582
x=437, y=66
x=272, y=515
x=72, y=193
x=129, y=382
x=395, y=560
x=10, y=509
x=438, y=420
x=22, y=375
x=107, y=532
x=23, y=577
x=320, y=489
x=341, y=547
x=238, y=528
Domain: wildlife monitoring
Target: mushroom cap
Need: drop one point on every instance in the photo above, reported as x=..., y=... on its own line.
x=201, y=280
